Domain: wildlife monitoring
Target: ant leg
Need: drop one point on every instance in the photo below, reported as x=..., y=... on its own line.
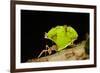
x=42, y=53
x=54, y=48
x=49, y=51
x=73, y=44
x=47, y=47
x=45, y=52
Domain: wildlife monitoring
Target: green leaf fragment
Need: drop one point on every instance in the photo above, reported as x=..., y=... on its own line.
x=62, y=36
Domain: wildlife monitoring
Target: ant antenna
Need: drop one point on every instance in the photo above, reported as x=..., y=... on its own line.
x=45, y=35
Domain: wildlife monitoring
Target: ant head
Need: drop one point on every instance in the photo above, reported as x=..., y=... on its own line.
x=49, y=42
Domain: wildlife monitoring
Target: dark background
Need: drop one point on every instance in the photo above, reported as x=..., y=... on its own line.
x=35, y=23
